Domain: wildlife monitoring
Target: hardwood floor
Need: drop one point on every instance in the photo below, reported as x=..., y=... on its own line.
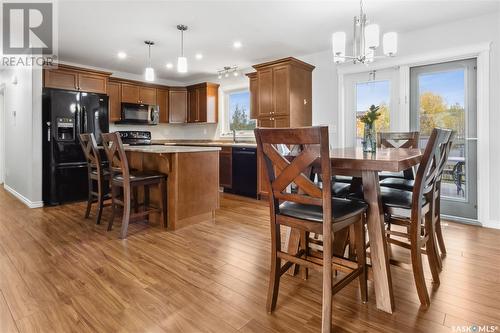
x=61, y=273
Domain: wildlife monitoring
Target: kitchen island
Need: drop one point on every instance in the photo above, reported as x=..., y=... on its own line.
x=192, y=180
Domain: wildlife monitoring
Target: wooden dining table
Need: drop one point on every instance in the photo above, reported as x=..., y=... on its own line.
x=354, y=162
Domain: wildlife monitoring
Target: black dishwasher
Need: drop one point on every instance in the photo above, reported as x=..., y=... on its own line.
x=245, y=171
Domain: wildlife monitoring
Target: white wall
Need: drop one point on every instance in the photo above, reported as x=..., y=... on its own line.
x=23, y=126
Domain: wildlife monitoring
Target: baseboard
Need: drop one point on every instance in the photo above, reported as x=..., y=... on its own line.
x=22, y=198
x=460, y=219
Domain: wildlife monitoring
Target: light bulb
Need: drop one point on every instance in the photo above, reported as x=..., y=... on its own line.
x=149, y=74
x=338, y=46
x=182, y=65
x=226, y=75
x=220, y=76
x=235, y=73
x=372, y=36
x=390, y=40
x=170, y=65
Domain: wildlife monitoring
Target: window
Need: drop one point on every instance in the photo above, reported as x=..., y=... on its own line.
x=238, y=113
x=369, y=93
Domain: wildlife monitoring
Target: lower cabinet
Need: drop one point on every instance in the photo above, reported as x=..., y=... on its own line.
x=226, y=167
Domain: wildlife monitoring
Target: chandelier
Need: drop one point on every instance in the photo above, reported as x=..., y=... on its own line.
x=227, y=70
x=365, y=42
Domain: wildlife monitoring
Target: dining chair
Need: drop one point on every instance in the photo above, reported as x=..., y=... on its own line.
x=97, y=175
x=414, y=211
x=397, y=140
x=312, y=209
x=126, y=181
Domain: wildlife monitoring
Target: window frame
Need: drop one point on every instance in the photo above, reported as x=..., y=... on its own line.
x=225, y=128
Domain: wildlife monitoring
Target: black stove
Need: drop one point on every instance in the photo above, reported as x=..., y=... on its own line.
x=136, y=138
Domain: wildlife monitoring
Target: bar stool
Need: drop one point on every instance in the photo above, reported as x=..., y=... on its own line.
x=96, y=175
x=127, y=182
x=311, y=209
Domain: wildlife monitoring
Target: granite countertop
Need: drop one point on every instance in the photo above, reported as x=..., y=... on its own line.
x=206, y=143
x=159, y=149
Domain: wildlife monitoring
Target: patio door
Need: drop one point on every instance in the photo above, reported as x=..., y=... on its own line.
x=444, y=95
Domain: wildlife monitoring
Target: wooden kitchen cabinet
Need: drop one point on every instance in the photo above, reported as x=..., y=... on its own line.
x=177, y=105
x=136, y=94
x=162, y=100
x=115, y=104
x=203, y=103
x=75, y=78
x=226, y=167
x=281, y=93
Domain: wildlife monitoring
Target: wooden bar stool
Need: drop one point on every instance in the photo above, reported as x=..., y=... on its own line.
x=311, y=209
x=127, y=182
x=414, y=211
x=97, y=174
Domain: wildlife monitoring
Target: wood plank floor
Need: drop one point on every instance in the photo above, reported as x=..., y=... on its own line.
x=61, y=273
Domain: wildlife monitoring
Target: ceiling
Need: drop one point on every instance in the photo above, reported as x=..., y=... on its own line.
x=93, y=32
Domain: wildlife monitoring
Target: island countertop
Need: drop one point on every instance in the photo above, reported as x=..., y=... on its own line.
x=162, y=149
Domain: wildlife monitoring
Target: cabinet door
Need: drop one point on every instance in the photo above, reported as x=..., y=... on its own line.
x=114, y=101
x=147, y=95
x=202, y=105
x=226, y=167
x=162, y=100
x=281, y=92
x=177, y=106
x=92, y=83
x=265, y=77
x=193, y=105
x=61, y=79
x=266, y=122
x=130, y=93
x=254, y=98
x=281, y=122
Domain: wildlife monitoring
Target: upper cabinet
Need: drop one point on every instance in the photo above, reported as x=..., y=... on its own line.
x=137, y=94
x=162, y=101
x=115, y=103
x=177, y=105
x=203, y=103
x=281, y=92
x=74, y=78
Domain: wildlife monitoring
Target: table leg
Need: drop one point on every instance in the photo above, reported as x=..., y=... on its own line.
x=378, y=247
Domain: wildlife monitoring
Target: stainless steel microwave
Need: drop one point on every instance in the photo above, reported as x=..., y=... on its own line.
x=139, y=114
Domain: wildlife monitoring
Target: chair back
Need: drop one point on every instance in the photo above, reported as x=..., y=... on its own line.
x=89, y=147
x=397, y=139
x=430, y=166
x=283, y=170
x=115, y=153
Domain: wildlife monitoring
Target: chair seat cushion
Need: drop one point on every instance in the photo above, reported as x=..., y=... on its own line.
x=341, y=209
x=338, y=189
x=104, y=172
x=141, y=175
x=387, y=174
x=398, y=183
x=343, y=179
x=391, y=198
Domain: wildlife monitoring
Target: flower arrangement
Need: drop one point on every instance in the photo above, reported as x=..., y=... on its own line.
x=369, y=137
x=371, y=115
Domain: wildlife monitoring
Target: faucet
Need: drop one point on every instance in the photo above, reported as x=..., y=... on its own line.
x=234, y=136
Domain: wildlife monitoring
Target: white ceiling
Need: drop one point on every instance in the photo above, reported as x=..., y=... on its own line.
x=92, y=32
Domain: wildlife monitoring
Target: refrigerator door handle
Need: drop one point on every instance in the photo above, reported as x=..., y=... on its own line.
x=48, y=131
x=84, y=111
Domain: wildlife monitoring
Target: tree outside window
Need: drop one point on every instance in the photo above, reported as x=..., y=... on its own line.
x=239, y=112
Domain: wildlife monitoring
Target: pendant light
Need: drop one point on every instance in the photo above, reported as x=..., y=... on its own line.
x=182, y=66
x=149, y=73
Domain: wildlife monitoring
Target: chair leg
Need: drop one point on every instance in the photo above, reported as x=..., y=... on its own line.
x=304, y=245
x=126, y=210
x=361, y=257
x=274, y=277
x=100, y=201
x=135, y=199
x=416, y=261
x=146, y=201
x=163, y=205
x=431, y=248
x=89, y=199
x=439, y=234
x=114, y=194
x=326, y=313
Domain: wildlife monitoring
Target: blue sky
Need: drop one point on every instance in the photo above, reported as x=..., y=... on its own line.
x=450, y=85
x=241, y=98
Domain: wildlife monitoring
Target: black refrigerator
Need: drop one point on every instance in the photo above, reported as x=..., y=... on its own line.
x=66, y=114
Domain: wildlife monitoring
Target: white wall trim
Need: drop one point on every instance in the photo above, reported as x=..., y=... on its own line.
x=22, y=198
x=480, y=51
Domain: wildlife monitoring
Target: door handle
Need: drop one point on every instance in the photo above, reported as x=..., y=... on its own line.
x=471, y=139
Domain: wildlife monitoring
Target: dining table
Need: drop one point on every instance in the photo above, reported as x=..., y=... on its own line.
x=367, y=166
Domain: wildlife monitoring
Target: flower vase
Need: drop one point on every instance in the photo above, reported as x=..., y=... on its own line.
x=369, y=139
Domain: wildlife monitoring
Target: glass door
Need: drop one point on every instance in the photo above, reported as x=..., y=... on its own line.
x=444, y=95
x=377, y=88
